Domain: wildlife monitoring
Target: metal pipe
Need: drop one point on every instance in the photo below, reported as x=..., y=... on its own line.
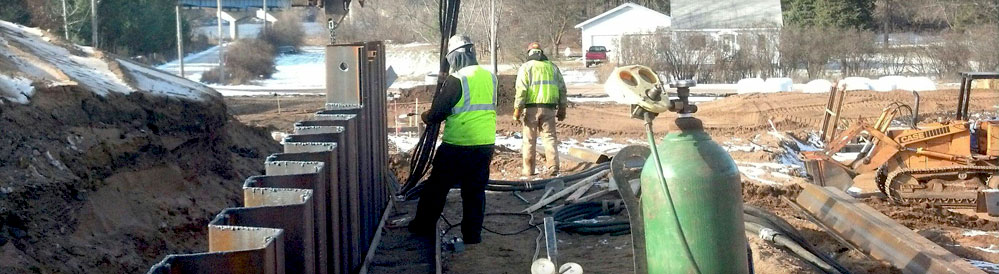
x=915, y=111
x=551, y=244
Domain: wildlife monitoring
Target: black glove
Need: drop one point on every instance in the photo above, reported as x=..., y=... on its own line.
x=560, y=114
x=424, y=116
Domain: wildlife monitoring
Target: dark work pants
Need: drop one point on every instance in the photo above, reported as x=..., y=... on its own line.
x=467, y=167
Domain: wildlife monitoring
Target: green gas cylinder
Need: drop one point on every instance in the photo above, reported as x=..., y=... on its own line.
x=704, y=185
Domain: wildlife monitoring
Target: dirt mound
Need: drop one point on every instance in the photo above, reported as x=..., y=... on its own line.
x=116, y=182
x=108, y=165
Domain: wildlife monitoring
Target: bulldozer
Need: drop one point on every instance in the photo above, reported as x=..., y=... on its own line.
x=944, y=163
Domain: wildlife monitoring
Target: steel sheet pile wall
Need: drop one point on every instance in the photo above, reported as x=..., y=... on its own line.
x=318, y=207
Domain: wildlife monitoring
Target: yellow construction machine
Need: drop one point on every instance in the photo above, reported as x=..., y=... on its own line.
x=945, y=163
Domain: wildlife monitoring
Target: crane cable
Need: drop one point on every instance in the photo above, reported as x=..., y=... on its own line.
x=423, y=153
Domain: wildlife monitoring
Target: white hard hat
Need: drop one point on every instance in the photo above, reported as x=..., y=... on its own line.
x=457, y=41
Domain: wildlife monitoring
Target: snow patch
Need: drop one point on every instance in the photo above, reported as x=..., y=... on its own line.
x=991, y=249
x=818, y=86
x=986, y=266
x=16, y=89
x=51, y=64
x=161, y=83
x=975, y=233
x=579, y=77
x=751, y=85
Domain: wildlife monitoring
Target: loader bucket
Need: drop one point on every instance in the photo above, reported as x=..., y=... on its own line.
x=826, y=172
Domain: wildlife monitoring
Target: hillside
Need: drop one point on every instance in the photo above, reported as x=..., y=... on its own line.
x=106, y=164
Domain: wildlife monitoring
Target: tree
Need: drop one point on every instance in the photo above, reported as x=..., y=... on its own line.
x=829, y=13
x=15, y=11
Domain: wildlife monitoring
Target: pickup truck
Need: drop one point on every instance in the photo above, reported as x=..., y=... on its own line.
x=595, y=55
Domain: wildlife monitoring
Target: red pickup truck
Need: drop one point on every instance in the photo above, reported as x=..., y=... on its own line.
x=595, y=55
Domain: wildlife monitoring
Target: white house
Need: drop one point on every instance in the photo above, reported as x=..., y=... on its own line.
x=629, y=18
x=726, y=20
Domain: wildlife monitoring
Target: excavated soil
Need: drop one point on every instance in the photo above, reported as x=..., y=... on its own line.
x=746, y=119
x=113, y=184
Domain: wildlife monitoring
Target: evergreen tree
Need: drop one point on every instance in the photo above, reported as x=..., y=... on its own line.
x=829, y=13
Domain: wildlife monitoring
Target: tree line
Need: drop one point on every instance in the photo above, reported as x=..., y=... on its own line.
x=126, y=27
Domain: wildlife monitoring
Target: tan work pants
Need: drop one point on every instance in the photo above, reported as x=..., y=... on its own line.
x=539, y=120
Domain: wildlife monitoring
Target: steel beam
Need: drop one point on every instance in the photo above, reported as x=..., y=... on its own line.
x=257, y=188
x=337, y=213
x=287, y=209
x=878, y=235
x=261, y=255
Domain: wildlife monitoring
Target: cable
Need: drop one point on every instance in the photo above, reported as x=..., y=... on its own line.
x=423, y=153
x=530, y=224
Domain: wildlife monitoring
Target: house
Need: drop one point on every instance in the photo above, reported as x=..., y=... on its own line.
x=726, y=20
x=629, y=18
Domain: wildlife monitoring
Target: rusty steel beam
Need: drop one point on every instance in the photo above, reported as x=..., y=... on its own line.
x=350, y=141
x=588, y=155
x=337, y=214
x=287, y=209
x=260, y=252
x=255, y=189
x=878, y=235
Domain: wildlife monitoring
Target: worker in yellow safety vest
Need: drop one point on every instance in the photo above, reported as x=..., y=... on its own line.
x=540, y=100
x=467, y=106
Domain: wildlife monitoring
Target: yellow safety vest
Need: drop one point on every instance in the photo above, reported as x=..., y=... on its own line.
x=541, y=86
x=473, y=119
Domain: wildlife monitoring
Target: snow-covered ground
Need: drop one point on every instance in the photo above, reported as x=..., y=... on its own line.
x=39, y=62
x=250, y=30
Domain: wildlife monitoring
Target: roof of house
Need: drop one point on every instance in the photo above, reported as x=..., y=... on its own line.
x=618, y=10
x=726, y=14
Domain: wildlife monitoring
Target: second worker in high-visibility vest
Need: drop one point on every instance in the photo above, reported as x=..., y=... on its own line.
x=540, y=101
x=467, y=106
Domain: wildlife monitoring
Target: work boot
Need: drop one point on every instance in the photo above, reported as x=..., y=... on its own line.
x=553, y=172
x=527, y=172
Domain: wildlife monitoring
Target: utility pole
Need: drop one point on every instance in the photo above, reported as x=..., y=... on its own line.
x=221, y=43
x=265, y=18
x=93, y=23
x=65, y=21
x=492, y=40
x=180, y=43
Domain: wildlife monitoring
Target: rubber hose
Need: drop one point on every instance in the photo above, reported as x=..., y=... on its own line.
x=597, y=224
x=781, y=240
x=779, y=224
x=541, y=183
x=581, y=213
x=577, y=211
x=571, y=177
x=600, y=229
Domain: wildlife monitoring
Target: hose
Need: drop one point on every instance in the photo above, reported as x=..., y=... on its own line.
x=566, y=178
x=781, y=240
x=566, y=218
x=768, y=219
x=505, y=185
